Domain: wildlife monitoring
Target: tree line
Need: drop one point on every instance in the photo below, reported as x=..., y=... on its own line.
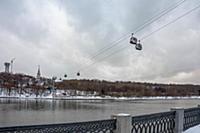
x=24, y=83
x=128, y=89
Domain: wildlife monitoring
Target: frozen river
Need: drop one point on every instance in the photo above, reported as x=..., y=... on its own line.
x=25, y=112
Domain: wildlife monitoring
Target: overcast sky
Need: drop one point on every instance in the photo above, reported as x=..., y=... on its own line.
x=62, y=36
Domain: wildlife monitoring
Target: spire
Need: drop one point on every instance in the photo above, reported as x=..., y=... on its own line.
x=38, y=73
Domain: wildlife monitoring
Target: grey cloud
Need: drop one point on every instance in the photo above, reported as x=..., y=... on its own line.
x=16, y=18
x=63, y=35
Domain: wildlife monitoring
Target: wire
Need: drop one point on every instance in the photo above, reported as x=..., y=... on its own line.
x=171, y=22
x=158, y=16
x=141, y=27
x=145, y=37
x=114, y=43
x=115, y=52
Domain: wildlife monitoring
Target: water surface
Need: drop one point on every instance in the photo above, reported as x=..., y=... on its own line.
x=27, y=112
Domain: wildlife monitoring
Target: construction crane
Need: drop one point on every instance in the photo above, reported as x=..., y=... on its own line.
x=11, y=62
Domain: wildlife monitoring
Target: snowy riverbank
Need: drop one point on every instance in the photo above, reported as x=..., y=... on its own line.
x=60, y=94
x=77, y=95
x=97, y=97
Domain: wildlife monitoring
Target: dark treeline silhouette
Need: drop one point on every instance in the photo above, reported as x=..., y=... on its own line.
x=120, y=88
x=24, y=83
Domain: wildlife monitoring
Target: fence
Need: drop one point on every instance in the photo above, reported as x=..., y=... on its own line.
x=103, y=126
x=154, y=123
x=175, y=121
x=191, y=118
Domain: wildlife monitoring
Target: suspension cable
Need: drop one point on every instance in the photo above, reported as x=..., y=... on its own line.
x=139, y=28
x=146, y=36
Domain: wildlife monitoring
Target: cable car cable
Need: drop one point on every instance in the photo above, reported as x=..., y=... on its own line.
x=145, y=37
x=117, y=51
x=153, y=19
x=141, y=27
x=171, y=22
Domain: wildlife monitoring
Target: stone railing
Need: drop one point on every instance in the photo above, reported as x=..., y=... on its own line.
x=103, y=126
x=154, y=123
x=191, y=118
x=175, y=121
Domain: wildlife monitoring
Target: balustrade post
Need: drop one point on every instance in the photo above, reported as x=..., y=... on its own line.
x=179, y=119
x=124, y=123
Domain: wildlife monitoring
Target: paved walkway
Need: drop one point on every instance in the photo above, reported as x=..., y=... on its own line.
x=193, y=130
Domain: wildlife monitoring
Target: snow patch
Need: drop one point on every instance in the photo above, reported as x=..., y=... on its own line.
x=195, y=129
x=75, y=94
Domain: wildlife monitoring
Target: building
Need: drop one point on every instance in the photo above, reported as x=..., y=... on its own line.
x=7, y=67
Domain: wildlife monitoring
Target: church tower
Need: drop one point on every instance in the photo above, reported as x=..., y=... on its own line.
x=38, y=73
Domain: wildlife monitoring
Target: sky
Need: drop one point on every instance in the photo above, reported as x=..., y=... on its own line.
x=63, y=37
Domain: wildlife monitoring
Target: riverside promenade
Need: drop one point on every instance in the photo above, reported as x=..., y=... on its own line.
x=177, y=120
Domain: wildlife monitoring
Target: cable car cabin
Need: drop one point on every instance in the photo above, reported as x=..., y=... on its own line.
x=138, y=46
x=133, y=40
x=78, y=74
